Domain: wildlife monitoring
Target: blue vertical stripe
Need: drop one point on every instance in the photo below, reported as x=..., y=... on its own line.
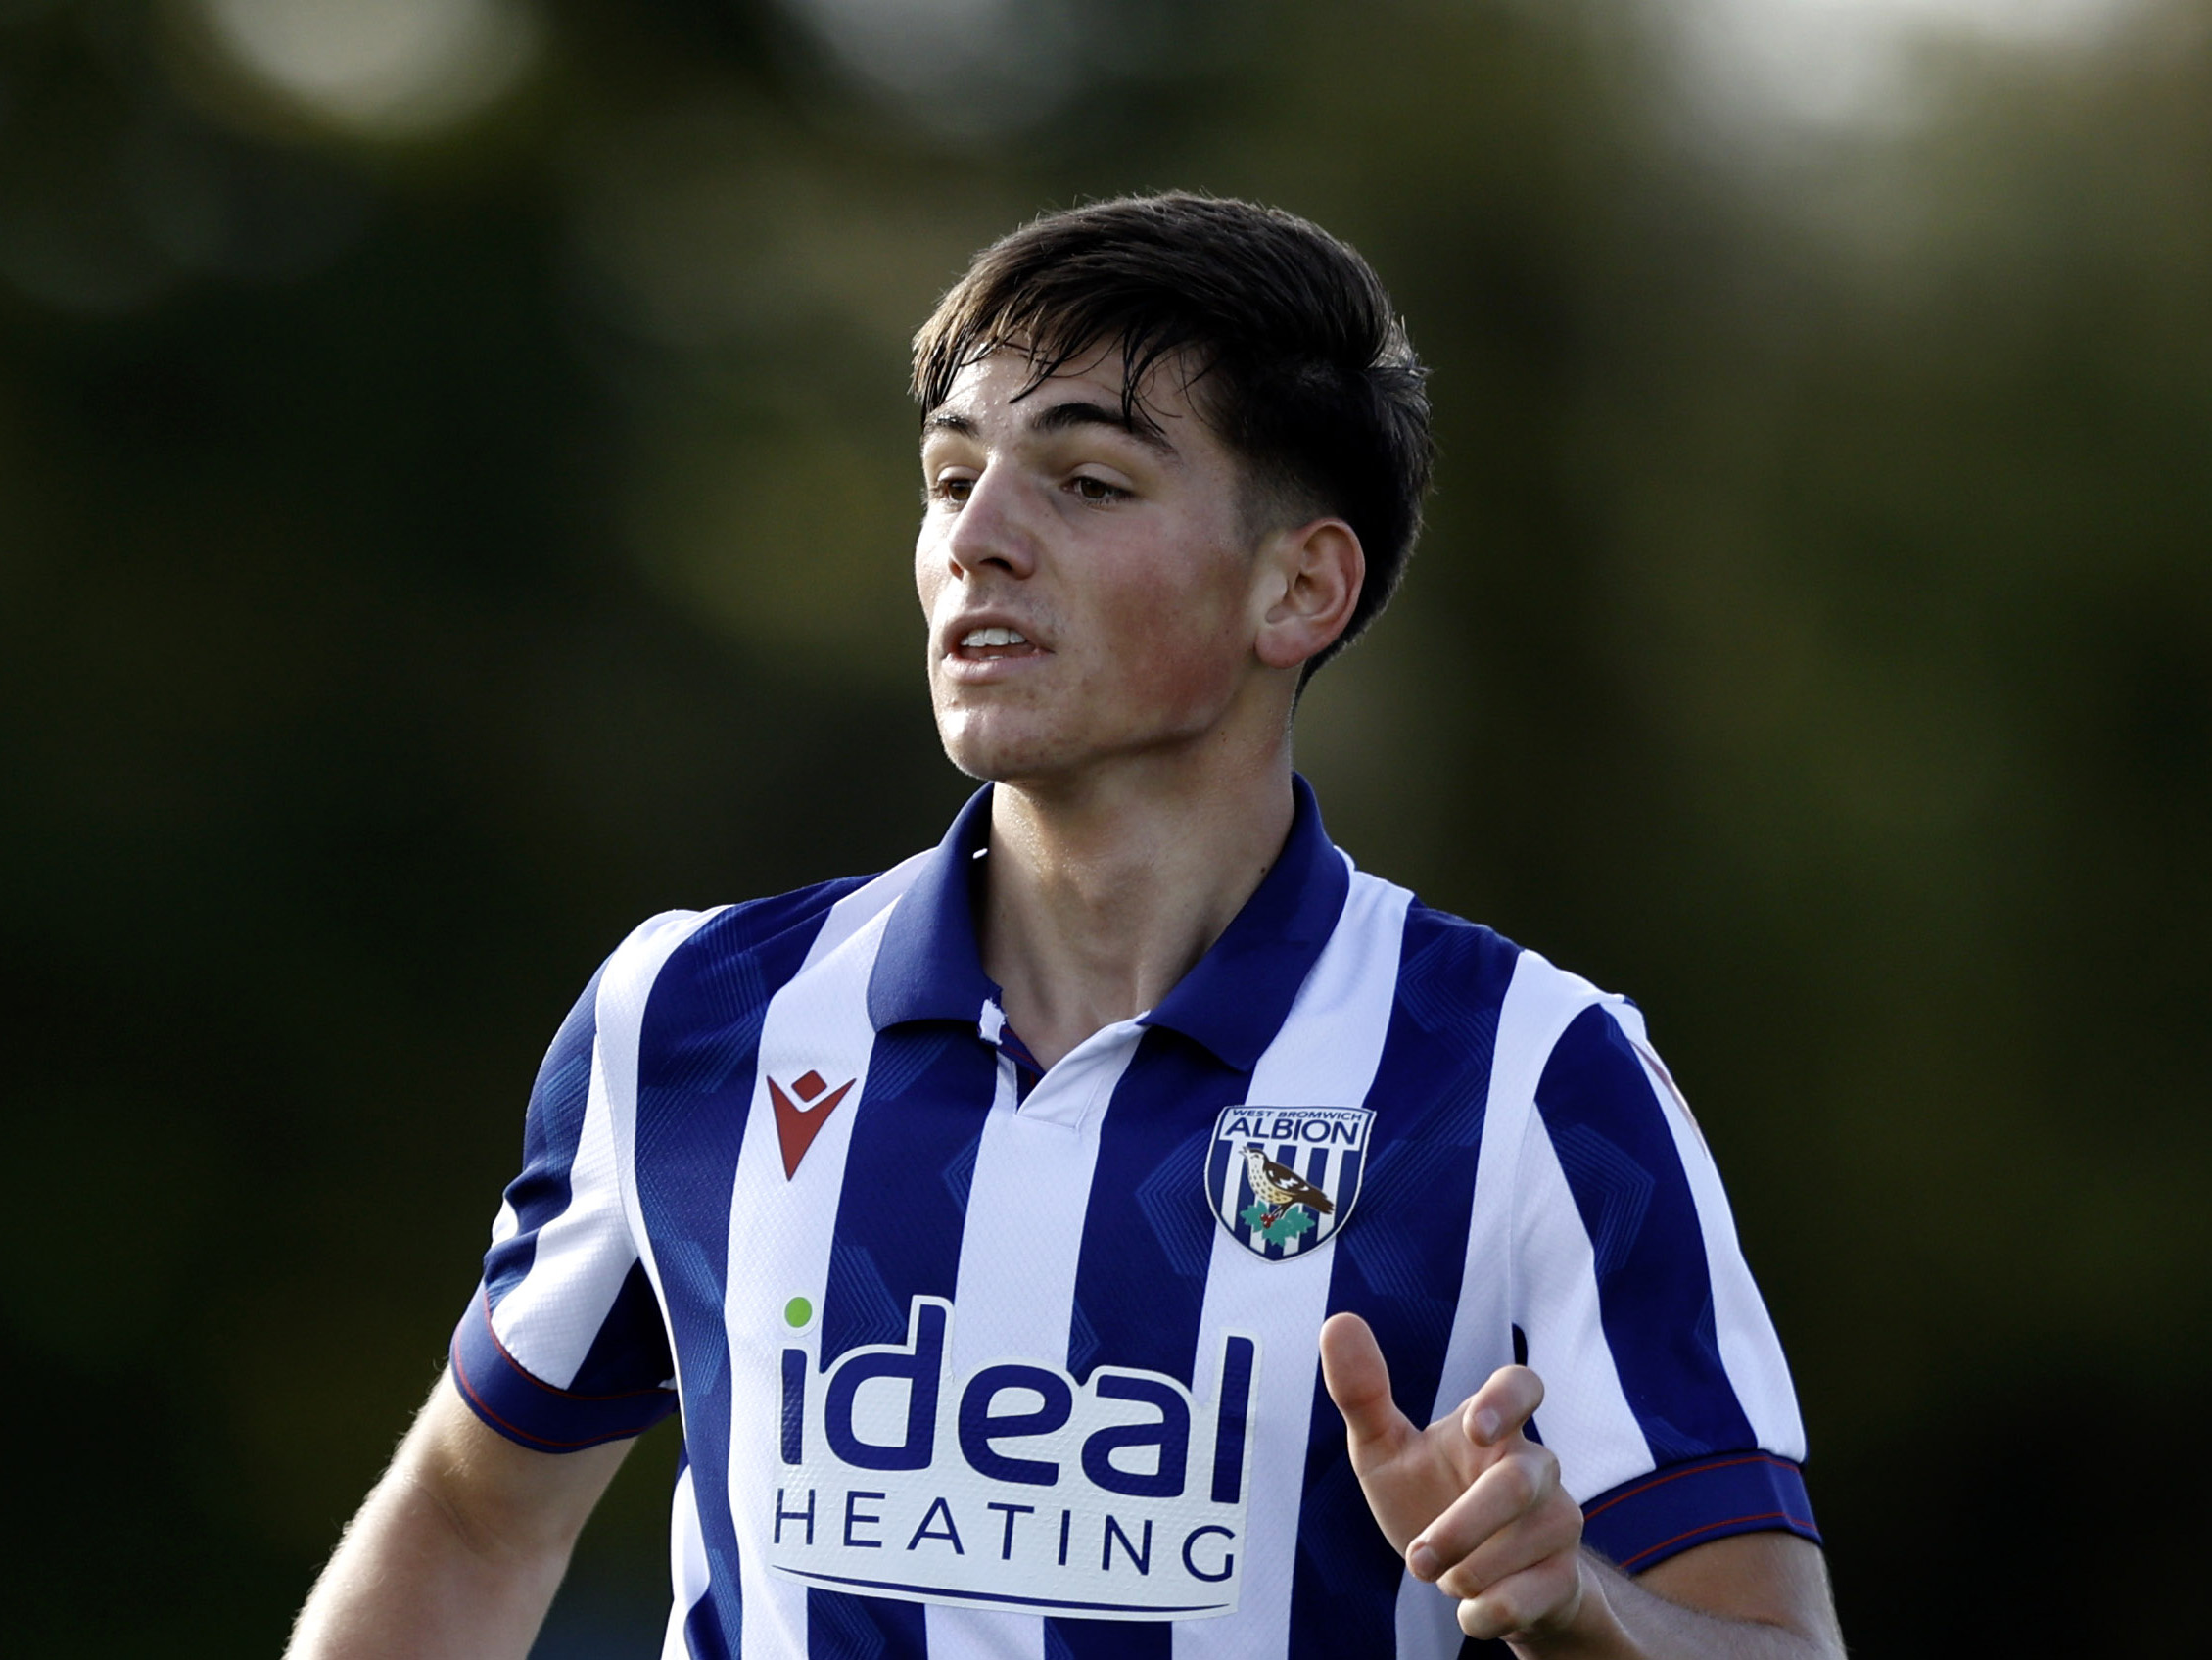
x=550, y=1132
x=702, y=1625
x=1398, y=1260
x=632, y=1341
x=1655, y=1295
x=1148, y=1238
x=900, y=1217
x=698, y=1048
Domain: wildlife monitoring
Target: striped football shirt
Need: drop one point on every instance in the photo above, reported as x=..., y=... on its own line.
x=978, y=1359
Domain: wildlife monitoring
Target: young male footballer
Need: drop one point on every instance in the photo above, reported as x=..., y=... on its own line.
x=1125, y=1229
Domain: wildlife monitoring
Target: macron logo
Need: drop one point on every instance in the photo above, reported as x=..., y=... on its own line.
x=798, y=1123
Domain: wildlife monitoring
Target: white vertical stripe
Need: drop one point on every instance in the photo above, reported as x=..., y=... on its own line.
x=860, y=907
x=548, y=1321
x=687, y=1565
x=1539, y=1002
x=1019, y=1255
x=1585, y=1418
x=624, y=989
x=1325, y=1055
x=1751, y=1352
x=780, y=1230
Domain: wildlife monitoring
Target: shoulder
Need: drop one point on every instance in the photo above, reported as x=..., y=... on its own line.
x=1449, y=963
x=1461, y=977
x=679, y=945
x=1546, y=1028
x=1574, y=1069
x=760, y=927
x=726, y=961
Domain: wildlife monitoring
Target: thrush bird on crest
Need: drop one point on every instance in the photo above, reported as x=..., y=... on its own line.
x=1279, y=1187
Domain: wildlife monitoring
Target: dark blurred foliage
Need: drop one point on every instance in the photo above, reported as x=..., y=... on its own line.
x=435, y=535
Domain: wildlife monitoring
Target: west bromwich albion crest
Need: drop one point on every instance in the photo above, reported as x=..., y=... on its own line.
x=1281, y=1179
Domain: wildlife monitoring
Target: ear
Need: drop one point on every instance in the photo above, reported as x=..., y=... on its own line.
x=1310, y=582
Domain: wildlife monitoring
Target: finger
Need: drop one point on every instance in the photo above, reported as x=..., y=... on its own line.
x=1506, y=1402
x=1551, y=1528
x=1544, y=1595
x=1518, y=1485
x=1358, y=1381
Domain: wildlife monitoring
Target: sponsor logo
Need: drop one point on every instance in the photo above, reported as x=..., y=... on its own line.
x=1283, y=1179
x=1016, y=1487
x=798, y=1121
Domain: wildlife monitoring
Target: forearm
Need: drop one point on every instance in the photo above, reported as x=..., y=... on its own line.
x=457, y=1551
x=1625, y=1619
x=407, y=1581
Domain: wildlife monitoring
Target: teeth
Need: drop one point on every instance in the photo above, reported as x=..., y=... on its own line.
x=993, y=637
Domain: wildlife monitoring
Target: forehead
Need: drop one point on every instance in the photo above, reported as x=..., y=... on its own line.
x=1002, y=389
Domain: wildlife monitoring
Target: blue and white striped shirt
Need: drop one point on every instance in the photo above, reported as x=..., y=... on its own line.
x=976, y=1362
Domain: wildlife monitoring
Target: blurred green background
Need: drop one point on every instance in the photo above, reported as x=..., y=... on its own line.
x=455, y=495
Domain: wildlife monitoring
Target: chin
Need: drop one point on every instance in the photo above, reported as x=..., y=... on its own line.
x=997, y=757
x=1031, y=763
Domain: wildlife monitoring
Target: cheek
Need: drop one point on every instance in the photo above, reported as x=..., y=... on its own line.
x=1188, y=692
x=1187, y=647
x=929, y=575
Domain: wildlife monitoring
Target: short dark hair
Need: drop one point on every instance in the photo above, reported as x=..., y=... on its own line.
x=1306, y=371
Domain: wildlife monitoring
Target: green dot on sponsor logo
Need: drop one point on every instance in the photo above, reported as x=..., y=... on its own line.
x=797, y=1312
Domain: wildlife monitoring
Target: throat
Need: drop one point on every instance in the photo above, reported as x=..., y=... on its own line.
x=1097, y=901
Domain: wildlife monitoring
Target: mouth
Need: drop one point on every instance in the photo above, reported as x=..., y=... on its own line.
x=994, y=643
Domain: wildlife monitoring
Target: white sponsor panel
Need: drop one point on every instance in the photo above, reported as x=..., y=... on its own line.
x=1014, y=1487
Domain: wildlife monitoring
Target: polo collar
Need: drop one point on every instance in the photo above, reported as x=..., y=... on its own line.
x=928, y=966
x=1234, y=1001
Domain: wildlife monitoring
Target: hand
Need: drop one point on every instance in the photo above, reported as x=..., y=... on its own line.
x=1471, y=1502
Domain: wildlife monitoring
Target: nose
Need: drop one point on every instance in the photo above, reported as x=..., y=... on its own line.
x=993, y=529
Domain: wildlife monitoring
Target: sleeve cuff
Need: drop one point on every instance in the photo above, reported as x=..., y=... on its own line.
x=533, y=1413
x=1642, y=1522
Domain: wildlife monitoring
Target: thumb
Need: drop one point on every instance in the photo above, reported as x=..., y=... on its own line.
x=1358, y=1380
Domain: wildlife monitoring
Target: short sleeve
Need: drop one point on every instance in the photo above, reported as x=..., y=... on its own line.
x=1667, y=1401
x=563, y=1345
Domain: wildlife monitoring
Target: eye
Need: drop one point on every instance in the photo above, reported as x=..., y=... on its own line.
x=1096, y=491
x=953, y=489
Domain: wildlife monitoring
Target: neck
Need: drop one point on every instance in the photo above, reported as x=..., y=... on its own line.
x=1099, y=897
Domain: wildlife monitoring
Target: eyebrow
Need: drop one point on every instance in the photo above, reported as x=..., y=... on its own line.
x=1063, y=417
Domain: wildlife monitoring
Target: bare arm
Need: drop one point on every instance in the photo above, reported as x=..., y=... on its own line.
x=1477, y=1511
x=458, y=1549
x=1746, y=1597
